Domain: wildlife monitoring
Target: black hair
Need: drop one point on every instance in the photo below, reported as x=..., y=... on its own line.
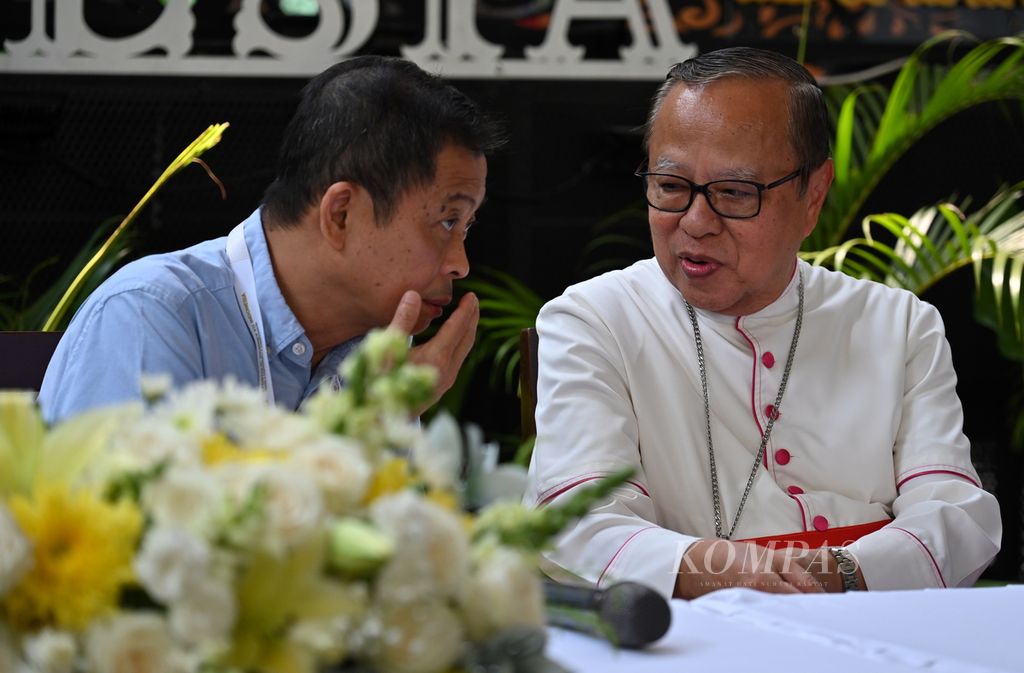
x=808, y=114
x=379, y=122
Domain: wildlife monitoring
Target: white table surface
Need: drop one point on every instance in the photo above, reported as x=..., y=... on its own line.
x=978, y=630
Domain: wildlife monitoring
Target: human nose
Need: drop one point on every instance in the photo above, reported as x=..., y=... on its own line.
x=456, y=263
x=699, y=219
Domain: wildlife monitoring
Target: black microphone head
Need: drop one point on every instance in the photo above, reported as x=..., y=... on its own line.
x=637, y=614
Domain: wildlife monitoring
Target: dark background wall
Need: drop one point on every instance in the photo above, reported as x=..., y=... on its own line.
x=77, y=150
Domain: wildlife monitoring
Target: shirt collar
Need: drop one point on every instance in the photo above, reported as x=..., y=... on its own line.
x=281, y=326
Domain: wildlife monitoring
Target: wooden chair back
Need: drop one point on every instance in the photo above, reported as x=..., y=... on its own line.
x=528, y=381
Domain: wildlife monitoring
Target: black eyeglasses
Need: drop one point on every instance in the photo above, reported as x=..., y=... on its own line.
x=735, y=199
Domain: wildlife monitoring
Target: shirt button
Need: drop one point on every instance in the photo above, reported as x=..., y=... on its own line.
x=770, y=412
x=820, y=523
x=782, y=457
x=768, y=360
x=794, y=490
x=299, y=348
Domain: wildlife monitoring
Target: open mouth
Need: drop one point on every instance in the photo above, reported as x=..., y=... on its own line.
x=698, y=267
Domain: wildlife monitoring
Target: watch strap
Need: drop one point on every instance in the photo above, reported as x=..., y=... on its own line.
x=847, y=568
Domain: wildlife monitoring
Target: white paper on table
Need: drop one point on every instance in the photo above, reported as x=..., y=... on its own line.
x=956, y=630
x=938, y=631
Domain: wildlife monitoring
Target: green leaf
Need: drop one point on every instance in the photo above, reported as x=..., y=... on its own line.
x=918, y=252
x=868, y=142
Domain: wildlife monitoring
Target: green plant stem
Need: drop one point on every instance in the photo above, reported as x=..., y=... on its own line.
x=207, y=139
x=805, y=27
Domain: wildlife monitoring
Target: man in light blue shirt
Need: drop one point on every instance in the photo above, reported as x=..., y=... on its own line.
x=379, y=178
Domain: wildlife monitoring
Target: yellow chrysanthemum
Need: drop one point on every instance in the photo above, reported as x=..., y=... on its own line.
x=83, y=548
x=391, y=476
x=217, y=449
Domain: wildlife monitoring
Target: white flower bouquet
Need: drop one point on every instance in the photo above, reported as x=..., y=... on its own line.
x=206, y=532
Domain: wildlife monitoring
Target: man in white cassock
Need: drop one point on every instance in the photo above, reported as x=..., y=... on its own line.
x=792, y=429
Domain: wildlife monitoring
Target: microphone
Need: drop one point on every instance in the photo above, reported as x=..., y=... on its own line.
x=630, y=614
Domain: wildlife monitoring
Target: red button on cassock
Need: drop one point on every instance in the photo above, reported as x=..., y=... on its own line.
x=820, y=523
x=768, y=360
x=794, y=490
x=782, y=456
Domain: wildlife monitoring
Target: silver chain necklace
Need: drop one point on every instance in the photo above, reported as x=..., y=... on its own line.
x=715, y=497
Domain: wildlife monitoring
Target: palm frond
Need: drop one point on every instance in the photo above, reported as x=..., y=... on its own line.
x=918, y=252
x=875, y=126
x=507, y=306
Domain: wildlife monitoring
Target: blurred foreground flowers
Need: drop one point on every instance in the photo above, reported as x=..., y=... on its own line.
x=207, y=533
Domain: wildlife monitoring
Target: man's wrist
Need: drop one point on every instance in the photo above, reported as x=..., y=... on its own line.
x=847, y=568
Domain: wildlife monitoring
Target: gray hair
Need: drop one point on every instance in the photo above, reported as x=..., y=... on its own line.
x=808, y=115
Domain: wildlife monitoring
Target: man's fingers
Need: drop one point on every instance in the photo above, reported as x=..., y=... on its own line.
x=448, y=348
x=803, y=580
x=776, y=584
x=461, y=322
x=407, y=313
x=466, y=330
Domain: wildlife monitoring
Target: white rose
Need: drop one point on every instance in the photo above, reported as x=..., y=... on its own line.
x=135, y=642
x=294, y=507
x=325, y=637
x=340, y=469
x=396, y=429
x=423, y=637
x=142, y=446
x=431, y=548
x=268, y=427
x=185, y=497
x=206, y=615
x=15, y=552
x=192, y=409
x=237, y=521
x=234, y=396
x=51, y=651
x=171, y=560
x=503, y=591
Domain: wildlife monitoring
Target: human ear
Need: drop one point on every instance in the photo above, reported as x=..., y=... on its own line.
x=334, y=209
x=817, y=190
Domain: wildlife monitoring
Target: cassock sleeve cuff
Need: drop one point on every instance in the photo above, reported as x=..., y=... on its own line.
x=649, y=556
x=894, y=558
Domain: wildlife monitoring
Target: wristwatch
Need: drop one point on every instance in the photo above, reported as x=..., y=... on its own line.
x=847, y=568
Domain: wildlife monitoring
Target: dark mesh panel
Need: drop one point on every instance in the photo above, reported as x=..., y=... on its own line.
x=74, y=152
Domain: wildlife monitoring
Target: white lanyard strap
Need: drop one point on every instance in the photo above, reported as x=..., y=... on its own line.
x=245, y=292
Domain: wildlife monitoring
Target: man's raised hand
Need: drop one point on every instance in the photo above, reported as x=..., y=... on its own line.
x=446, y=350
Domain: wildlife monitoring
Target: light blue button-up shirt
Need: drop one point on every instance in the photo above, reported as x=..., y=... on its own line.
x=177, y=314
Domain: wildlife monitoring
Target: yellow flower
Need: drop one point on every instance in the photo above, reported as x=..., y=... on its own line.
x=217, y=449
x=445, y=499
x=83, y=548
x=30, y=455
x=21, y=440
x=391, y=476
x=450, y=502
x=277, y=597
